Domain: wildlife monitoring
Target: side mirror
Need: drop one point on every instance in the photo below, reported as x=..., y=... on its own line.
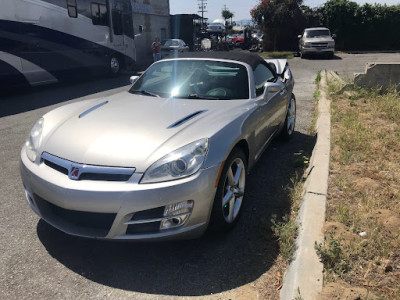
x=334, y=36
x=270, y=88
x=299, y=36
x=133, y=79
x=141, y=28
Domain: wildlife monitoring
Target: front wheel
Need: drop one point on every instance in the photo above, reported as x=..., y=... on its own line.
x=230, y=192
x=290, y=120
x=115, y=65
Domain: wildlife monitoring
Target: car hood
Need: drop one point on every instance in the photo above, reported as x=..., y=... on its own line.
x=319, y=39
x=134, y=130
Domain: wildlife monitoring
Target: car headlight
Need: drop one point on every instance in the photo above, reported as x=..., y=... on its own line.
x=331, y=44
x=34, y=139
x=178, y=164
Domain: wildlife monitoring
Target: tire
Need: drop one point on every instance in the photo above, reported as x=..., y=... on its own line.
x=331, y=55
x=114, y=65
x=290, y=121
x=228, y=199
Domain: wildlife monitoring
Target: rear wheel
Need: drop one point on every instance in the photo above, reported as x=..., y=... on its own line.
x=290, y=120
x=230, y=192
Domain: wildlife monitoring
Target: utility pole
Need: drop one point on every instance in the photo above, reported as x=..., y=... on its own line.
x=202, y=6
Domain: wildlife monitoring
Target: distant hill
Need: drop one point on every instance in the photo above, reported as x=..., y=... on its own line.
x=243, y=22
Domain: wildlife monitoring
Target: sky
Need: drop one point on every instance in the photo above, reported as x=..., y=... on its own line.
x=241, y=8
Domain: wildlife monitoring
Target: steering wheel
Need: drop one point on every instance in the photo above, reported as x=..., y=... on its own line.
x=219, y=92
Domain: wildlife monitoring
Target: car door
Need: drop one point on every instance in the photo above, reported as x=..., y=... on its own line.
x=269, y=105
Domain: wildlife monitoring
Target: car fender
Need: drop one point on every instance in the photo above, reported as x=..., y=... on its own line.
x=227, y=138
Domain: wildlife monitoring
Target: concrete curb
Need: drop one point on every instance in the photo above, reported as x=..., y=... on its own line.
x=304, y=274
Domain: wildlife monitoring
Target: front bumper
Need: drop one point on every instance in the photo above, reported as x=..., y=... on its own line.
x=314, y=50
x=101, y=209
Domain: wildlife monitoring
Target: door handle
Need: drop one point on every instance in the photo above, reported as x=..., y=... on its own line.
x=282, y=92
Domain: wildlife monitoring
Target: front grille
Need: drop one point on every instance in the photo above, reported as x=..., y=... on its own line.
x=55, y=167
x=146, y=221
x=319, y=45
x=148, y=214
x=76, y=222
x=152, y=227
x=86, y=172
x=104, y=177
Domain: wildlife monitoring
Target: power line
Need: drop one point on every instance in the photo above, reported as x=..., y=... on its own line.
x=202, y=6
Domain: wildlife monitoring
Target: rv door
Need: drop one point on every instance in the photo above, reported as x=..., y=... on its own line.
x=122, y=26
x=116, y=24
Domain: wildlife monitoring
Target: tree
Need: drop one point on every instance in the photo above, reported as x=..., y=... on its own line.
x=280, y=20
x=227, y=14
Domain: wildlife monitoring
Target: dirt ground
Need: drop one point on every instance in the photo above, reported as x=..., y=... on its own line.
x=363, y=208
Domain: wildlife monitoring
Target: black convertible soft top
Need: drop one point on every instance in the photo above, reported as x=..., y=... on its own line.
x=249, y=58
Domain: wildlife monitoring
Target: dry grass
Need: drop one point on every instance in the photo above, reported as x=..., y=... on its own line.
x=364, y=191
x=287, y=55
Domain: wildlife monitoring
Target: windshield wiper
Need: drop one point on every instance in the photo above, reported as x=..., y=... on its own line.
x=196, y=96
x=144, y=92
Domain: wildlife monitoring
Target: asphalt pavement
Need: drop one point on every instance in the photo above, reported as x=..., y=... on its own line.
x=40, y=262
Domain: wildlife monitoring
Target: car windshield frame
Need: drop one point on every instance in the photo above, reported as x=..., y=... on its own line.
x=195, y=78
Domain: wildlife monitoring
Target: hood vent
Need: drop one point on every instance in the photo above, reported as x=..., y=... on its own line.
x=92, y=109
x=185, y=119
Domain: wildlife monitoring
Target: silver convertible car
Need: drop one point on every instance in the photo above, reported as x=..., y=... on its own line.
x=165, y=160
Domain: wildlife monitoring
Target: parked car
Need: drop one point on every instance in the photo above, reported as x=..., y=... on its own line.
x=173, y=45
x=238, y=40
x=216, y=28
x=164, y=160
x=316, y=40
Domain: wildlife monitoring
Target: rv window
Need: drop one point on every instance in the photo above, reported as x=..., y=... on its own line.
x=128, y=24
x=72, y=10
x=99, y=14
x=117, y=21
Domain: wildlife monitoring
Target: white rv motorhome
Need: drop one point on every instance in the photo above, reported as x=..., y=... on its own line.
x=44, y=41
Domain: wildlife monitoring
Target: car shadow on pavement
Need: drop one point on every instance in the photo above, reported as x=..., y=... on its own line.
x=18, y=101
x=211, y=264
x=321, y=57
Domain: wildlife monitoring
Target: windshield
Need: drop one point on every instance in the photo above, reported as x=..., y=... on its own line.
x=171, y=43
x=194, y=79
x=315, y=33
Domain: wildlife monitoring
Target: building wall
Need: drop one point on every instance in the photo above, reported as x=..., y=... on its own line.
x=154, y=16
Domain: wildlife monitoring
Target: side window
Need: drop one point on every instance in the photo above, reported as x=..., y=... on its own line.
x=99, y=14
x=72, y=9
x=262, y=75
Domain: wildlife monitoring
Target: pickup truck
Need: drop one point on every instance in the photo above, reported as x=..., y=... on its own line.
x=317, y=40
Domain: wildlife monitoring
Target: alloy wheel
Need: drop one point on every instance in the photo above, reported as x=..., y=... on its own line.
x=234, y=186
x=291, y=118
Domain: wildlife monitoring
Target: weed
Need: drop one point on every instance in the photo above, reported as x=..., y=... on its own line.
x=317, y=95
x=318, y=78
x=285, y=231
x=298, y=296
x=332, y=256
x=343, y=214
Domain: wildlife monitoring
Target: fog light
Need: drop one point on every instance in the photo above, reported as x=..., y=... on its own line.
x=178, y=212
